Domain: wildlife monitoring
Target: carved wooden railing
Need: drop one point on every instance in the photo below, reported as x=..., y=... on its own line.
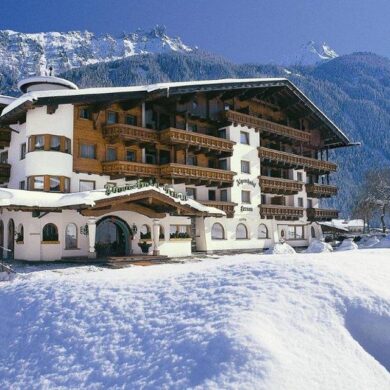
x=227, y=207
x=130, y=133
x=5, y=137
x=275, y=185
x=177, y=136
x=266, y=126
x=5, y=170
x=196, y=173
x=133, y=169
x=296, y=161
x=321, y=214
x=271, y=210
x=320, y=190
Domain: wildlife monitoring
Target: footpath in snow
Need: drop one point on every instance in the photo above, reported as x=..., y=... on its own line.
x=296, y=321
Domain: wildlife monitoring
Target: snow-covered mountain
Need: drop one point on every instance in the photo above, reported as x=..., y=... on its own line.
x=311, y=53
x=23, y=54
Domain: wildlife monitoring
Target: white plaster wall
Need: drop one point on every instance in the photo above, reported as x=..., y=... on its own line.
x=48, y=163
x=18, y=166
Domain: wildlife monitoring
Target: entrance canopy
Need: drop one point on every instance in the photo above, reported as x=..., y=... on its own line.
x=151, y=200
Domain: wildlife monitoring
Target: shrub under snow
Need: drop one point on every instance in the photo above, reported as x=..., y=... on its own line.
x=317, y=246
x=280, y=249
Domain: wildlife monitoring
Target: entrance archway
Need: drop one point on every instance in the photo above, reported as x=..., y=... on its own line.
x=11, y=238
x=113, y=237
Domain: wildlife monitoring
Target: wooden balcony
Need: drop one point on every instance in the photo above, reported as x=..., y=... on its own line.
x=320, y=190
x=198, y=175
x=199, y=141
x=321, y=214
x=129, y=134
x=5, y=137
x=5, y=170
x=129, y=169
x=275, y=185
x=289, y=160
x=227, y=207
x=265, y=126
x=281, y=212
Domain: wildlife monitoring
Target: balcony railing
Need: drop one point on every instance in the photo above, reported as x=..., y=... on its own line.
x=280, y=212
x=266, y=126
x=275, y=185
x=5, y=170
x=129, y=133
x=321, y=214
x=129, y=169
x=280, y=158
x=320, y=190
x=227, y=207
x=5, y=137
x=200, y=175
x=173, y=136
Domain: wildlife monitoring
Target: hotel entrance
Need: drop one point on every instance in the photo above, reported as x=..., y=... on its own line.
x=113, y=237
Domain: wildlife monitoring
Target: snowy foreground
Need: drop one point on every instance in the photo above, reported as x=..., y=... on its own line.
x=299, y=321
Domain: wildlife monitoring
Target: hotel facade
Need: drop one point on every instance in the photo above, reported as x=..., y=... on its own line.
x=205, y=166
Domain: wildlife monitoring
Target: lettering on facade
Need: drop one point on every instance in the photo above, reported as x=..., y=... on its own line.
x=113, y=189
x=246, y=181
x=245, y=208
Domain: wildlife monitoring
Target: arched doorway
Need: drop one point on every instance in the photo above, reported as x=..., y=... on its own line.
x=113, y=237
x=1, y=239
x=11, y=238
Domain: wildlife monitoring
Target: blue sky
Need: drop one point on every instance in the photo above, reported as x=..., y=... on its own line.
x=242, y=31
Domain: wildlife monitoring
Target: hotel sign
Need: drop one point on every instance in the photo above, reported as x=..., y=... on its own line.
x=113, y=189
x=246, y=181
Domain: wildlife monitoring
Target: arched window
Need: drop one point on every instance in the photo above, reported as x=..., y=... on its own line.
x=145, y=233
x=50, y=232
x=71, y=236
x=11, y=238
x=217, y=232
x=262, y=231
x=241, y=232
x=20, y=233
x=313, y=232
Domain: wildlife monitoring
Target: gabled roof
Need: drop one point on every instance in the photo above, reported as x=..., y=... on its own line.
x=14, y=111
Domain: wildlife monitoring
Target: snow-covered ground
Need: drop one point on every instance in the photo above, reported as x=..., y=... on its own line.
x=298, y=321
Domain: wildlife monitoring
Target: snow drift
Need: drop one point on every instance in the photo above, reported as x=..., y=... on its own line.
x=368, y=242
x=383, y=243
x=347, y=245
x=317, y=246
x=280, y=249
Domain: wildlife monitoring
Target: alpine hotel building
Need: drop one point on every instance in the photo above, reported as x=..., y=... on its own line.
x=187, y=167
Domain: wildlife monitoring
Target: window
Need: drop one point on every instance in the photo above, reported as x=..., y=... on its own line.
x=4, y=157
x=217, y=232
x=241, y=232
x=86, y=185
x=55, y=143
x=84, y=113
x=300, y=202
x=38, y=183
x=245, y=167
x=179, y=231
x=222, y=164
x=23, y=151
x=50, y=233
x=111, y=154
x=131, y=120
x=20, y=234
x=299, y=176
x=71, y=236
x=295, y=232
x=224, y=196
x=88, y=151
x=191, y=193
x=112, y=117
x=263, y=199
x=244, y=138
x=191, y=160
x=193, y=128
x=309, y=203
x=55, y=184
x=66, y=184
x=212, y=195
x=131, y=155
x=313, y=232
x=222, y=133
x=262, y=231
x=145, y=233
x=67, y=146
x=22, y=185
x=39, y=143
x=245, y=196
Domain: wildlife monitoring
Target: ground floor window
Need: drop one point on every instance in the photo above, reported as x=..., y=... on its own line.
x=262, y=231
x=313, y=232
x=71, y=236
x=295, y=233
x=145, y=232
x=86, y=185
x=241, y=232
x=50, y=232
x=217, y=232
x=20, y=234
x=179, y=231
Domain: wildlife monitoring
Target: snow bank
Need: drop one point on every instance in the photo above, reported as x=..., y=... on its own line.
x=317, y=246
x=5, y=276
x=383, y=243
x=368, y=242
x=347, y=245
x=292, y=322
x=280, y=249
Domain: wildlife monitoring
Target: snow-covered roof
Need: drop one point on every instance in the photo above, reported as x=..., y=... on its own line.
x=6, y=100
x=47, y=200
x=343, y=224
x=25, y=83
